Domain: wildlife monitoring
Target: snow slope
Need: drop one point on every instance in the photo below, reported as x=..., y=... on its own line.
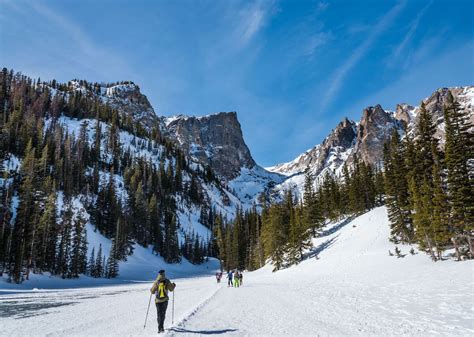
x=349, y=286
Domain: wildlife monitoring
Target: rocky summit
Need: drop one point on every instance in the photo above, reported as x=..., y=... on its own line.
x=215, y=140
x=365, y=140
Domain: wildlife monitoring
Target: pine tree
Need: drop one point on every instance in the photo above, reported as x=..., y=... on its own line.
x=78, y=258
x=24, y=228
x=421, y=180
x=112, y=263
x=99, y=267
x=299, y=236
x=397, y=191
x=91, y=267
x=440, y=215
x=47, y=232
x=155, y=229
x=312, y=217
x=64, y=251
x=459, y=150
x=171, y=240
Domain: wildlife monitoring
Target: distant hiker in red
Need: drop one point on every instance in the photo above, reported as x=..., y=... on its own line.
x=160, y=287
x=218, y=277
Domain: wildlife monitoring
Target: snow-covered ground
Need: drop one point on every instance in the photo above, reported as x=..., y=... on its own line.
x=350, y=286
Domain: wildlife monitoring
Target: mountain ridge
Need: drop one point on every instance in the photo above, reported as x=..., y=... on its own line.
x=372, y=131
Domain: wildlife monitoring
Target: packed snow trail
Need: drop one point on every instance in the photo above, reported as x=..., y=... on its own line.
x=105, y=311
x=354, y=288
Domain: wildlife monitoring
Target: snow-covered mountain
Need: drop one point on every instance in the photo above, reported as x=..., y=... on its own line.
x=124, y=96
x=216, y=161
x=365, y=139
x=216, y=141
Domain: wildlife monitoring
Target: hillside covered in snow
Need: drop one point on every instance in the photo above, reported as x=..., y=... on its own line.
x=98, y=170
x=348, y=285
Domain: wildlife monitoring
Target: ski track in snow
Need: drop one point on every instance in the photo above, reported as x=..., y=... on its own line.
x=354, y=289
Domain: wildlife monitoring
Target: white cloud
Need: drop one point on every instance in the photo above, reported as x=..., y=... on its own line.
x=411, y=31
x=252, y=19
x=338, y=77
x=316, y=41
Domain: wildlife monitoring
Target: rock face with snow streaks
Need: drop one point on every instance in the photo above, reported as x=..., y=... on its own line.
x=374, y=129
x=127, y=98
x=215, y=140
x=365, y=139
x=338, y=141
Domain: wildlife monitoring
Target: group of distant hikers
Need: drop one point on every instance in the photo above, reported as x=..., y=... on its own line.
x=235, y=278
x=162, y=286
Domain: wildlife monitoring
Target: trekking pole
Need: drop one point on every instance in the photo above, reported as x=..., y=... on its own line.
x=146, y=317
x=172, y=311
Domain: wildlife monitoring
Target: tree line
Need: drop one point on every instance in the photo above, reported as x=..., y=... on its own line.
x=426, y=186
x=429, y=186
x=282, y=231
x=130, y=199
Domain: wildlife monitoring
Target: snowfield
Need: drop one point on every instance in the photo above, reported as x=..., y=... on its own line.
x=349, y=286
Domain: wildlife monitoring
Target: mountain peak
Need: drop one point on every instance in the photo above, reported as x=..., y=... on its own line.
x=123, y=96
x=214, y=140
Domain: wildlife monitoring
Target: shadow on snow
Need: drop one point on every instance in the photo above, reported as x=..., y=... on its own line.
x=314, y=252
x=203, y=332
x=334, y=229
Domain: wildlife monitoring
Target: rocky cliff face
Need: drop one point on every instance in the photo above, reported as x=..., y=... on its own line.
x=374, y=129
x=214, y=140
x=128, y=98
x=365, y=139
x=434, y=104
x=331, y=152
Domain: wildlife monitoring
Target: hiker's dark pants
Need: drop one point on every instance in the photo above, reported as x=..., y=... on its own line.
x=161, y=311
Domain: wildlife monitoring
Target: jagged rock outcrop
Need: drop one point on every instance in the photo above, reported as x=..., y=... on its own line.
x=214, y=140
x=434, y=104
x=374, y=129
x=128, y=98
x=404, y=113
x=366, y=139
x=331, y=151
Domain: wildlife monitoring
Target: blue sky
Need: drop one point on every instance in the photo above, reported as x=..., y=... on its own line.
x=291, y=69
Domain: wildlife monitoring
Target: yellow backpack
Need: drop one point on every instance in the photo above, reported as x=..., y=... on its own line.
x=162, y=292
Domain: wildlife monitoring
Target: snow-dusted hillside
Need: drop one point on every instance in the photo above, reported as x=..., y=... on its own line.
x=349, y=286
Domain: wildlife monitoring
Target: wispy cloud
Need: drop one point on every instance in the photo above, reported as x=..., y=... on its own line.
x=422, y=79
x=411, y=31
x=338, y=77
x=316, y=41
x=73, y=30
x=252, y=19
x=86, y=53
